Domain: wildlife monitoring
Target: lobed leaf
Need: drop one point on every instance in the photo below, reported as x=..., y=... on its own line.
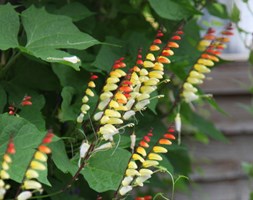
x=106, y=169
x=48, y=33
x=9, y=28
x=26, y=139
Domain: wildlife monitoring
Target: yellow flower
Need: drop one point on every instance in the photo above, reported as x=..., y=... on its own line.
x=194, y=80
x=121, y=72
x=204, y=43
x=201, y=68
x=85, y=108
x=113, y=104
x=128, y=114
x=24, y=195
x=121, y=108
x=89, y=92
x=143, y=79
x=98, y=115
x=112, y=113
x=194, y=74
x=190, y=96
x=31, y=184
x=37, y=165
x=154, y=156
x=110, y=87
x=132, y=172
x=134, y=78
x=132, y=165
x=141, y=151
x=141, y=179
x=105, y=95
x=85, y=99
x=143, y=72
x=148, y=64
x=158, y=66
x=104, y=120
x=151, y=82
x=142, y=104
x=127, y=180
x=205, y=62
x=119, y=95
x=91, y=84
x=156, y=74
x=5, y=165
x=137, y=157
x=125, y=189
x=115, y=74
x=143, y=96
x=102, y=105
x=189, y=87
x=145, y=172
x=158, y=149
x=31, y=174
x=150, y=56
x=4, y=174
x=150, y=163
x=40, y=156
x=7, y=158
x=148, y=89
x=115, y=121
x=111, y=80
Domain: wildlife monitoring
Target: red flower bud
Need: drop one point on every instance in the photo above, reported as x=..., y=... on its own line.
x=176, y=37
x=157, y=41
x=93, y=77
x=146, y=138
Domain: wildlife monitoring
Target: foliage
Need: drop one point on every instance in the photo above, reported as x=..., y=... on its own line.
x=56, y=58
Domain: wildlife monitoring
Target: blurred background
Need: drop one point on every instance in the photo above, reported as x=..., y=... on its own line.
x=222, y=170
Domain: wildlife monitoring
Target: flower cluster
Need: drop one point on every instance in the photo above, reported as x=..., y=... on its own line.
x=29, y=182
x=5, y=167
x=211, y=47
x=88, y=93
x=127, y=93
x=26, y=101
x=144, y=158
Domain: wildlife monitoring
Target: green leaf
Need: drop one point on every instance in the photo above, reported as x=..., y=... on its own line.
x=235, y=14
x=48, y=33
x=204, y=126
x=108, y=54
x=9, y=27
x=153, y=102
x=105, y=169
x=218, y=10
x=74, y=10
x=28, y=72
x=26, y=139
x=3, y=98
x=180, y=160
x=172, y=10
x=31, y=113
x=61, y=159
x=69, y=111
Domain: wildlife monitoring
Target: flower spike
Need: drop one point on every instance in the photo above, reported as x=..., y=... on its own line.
x=37, y=163
x=88, y=93
x=5, y=165
x=211, y=47
x=140, y=165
